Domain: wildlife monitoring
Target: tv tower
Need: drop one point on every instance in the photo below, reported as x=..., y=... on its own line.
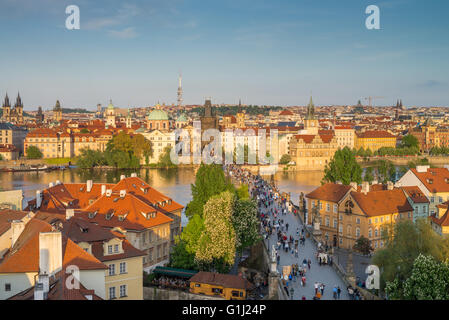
x=180, y=92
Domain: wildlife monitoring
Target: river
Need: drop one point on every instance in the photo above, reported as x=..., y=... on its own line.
x=174, y=183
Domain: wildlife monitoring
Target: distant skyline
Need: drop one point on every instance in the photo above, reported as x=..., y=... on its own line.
x=265, y=53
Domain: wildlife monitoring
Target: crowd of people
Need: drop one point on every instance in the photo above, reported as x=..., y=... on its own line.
x=273, y=211
x=171, y=282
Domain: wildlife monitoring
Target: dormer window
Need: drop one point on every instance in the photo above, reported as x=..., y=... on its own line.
x=84, y=230
x=430, y=181
x=109, y=215
x=92, y=215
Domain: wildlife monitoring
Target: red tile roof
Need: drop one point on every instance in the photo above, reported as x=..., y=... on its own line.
x=375, y=134
x=434, y=179
x=224, y=280
x=377, y=203
x=443, y=221
x=415, y=194
x=7, y=216
x=24, y=256
x=332, y=192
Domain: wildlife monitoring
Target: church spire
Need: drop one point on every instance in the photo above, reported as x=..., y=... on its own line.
x=310, y=110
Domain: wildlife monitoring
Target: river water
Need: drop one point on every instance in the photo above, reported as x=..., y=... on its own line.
x=174, y=183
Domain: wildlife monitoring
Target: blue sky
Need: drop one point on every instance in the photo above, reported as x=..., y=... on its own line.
x=264, y=52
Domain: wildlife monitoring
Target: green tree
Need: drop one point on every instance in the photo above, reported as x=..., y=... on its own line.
x=84, y=130
x=217, y=244
x=242, y=191
x=410, y=141
x=405, y=241
x=90, y=158
x=34, y=153
x=164, y=159
x=181, y=258
x=429, y=280
x=246, y=223
x=210, y=180
x=363, y=245
x=368, y=175
x=343, y=167
x=286, y=158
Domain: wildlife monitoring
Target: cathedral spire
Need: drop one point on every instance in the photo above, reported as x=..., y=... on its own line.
x=310, y=110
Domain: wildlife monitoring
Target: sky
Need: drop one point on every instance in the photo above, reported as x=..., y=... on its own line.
x=274, y=52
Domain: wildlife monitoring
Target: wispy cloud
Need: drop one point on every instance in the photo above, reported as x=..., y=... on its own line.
x=127, y=33
x=431, y=84
x=123, y=15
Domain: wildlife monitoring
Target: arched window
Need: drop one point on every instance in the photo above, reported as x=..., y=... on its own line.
x=349, y=206
x=370, y=233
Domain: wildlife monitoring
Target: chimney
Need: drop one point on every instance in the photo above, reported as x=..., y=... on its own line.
x=103, y=189
x=353, y=185
x=390, y=185
x=17, y=226
x=50, y=262
x=365, y=187
x=122, y=193
x=50, y=184
x=89, y=184
x=108, y=192
x=122, y=177
x=38, y=199
x=134, y=175
x=57, y=182
x=69, y=213
x=422, y=169
x=374, y=182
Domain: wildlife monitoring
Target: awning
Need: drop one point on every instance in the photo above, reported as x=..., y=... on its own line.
x=174, y=272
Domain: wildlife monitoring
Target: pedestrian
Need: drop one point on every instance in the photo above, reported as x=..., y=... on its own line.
x=322, y=288
x=334, y=292
x=291, y=293
x=316, y=287
x=338, y=292
x=309, y=263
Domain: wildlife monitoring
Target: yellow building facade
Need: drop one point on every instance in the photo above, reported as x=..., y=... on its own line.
x=374, y=140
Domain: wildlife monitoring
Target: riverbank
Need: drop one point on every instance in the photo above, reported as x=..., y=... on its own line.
x=437, y=161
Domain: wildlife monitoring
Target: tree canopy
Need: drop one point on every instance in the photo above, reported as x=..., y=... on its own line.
x=210, y=180
x=33, y=152
x=405, y=241
x=343, y=167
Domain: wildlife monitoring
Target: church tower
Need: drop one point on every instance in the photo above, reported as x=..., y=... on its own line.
x=57, y=112
x=40, y=115
x=6, y=109
x=18, y=108
x=240, y=116
x=310, y=122
x=128, y=120
x=110, y=115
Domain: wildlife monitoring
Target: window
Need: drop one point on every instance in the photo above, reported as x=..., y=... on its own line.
x=123, y=291
x=370, y=233
x=357, y=220
x=122, y=267
x=112, y=293
x=111, y=269
x=335, y=223
x=116, y=248
x=7, y=287
x=197, y=285
x=335, y=208
x=340, y=228
x=328, y=207
x=357, y=232
x=109, y=249
x=327, y=222
x=235, y=293
x=375, y=232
